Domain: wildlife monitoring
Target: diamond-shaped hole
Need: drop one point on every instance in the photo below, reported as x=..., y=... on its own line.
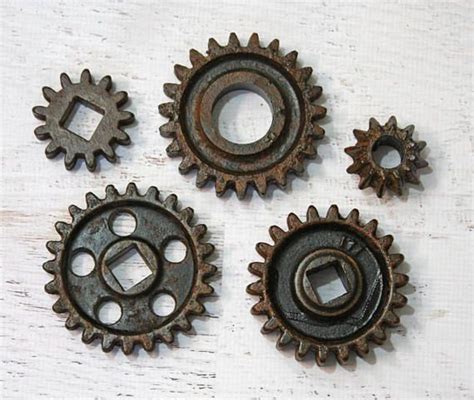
x=130, y=269
x=83, y=118
x=326, y=282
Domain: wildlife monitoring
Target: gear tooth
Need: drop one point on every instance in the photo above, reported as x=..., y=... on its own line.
x=171, y=90
x=371, y=227
x=233, y=40
x=174, y=149
x=63, y=228
x=361, y=347
x=92, y=200
x=392, y=122
x=128, y=345
x=290, y=59
x=202, y=177
x=314, y=92
x=276, y=233
x=274, y=46
x=166, y=109
x=412, y=178
x=108, y=153
x=312, y=214
x=166, y=336
x=196, y=308
x=395, y=184
x=40, y=112
x=221, y=186
x=378, y=335
x=264, y=249
x=72, y=322
x=181, y=72
x=317, y=111
x=380, y=188
x=132, y=190
x=260, y=184
x=316, y=131
x=207, y=270
x=48, y=93
x=284, y=339
x=52, y=150
x=420, y=145
x=69, y=160
x=280, y=178
x=86, y=76
x=270, y=325
x=205, y=289
x=59, y=306
x=182, y=323
x=303, y=74
x=213, y=46
x=240, y=188
x=353, y=151
x=120, y=98
x=333, y=213
x=65, y=80
x=293, y=221
x=309, y=151
x=420, y=163
x=111, y=192
x=386, y=241
x=121, y=137
x=171, y=202
x=409, y=130
x=259, y=309
x=206, y=249
x=42, y=132
x=169, y=129
x=398, y=300
x=50, y=267
x=342, y=354
x=302, y=350
x=148, y=342
x=355, y=167
x=257, y=268
x=199, y=231
x=255, y=288
x=105, y=83
x=152, y=194
x=254, y=41
x=186, y=165
x=400, y=280
x=91, y=162
x=365, y=181
x=126, y=117
x=391, y=319
x=353, y=216
x=196, y=58
x=321, y=355
x=187, y=214
x=297, y=167
x=108, y=342
x=88, y=335
x=54, y=247
x=51, y=287
x=374, y=124
x=360, y=135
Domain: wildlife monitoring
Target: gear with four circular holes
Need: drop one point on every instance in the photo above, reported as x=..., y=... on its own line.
x=99, y=98
x=373, y=174
x=193, y=125
x=297, y=269
x=157, y=223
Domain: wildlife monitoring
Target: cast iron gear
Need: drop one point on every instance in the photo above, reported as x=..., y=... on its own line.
x=99, y=98
x=290, y=283
x=91, y=231
x=193, y=126
x=371, y=173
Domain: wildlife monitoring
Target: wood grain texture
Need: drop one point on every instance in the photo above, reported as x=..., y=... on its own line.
x=410, y=59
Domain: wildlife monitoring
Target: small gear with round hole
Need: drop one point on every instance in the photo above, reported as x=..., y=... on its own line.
x=92, y=233
x=98, y=97
x=193, y=125
x=328, y=285
x=374, y=175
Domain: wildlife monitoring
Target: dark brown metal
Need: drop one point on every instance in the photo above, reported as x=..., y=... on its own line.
x=292, y=305
x=371, y=173
x=157, y=222
x=96, y=96
x=193, y=127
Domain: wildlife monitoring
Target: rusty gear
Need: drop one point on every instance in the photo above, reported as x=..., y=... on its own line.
x=289, y=285
x=193, y=126
x=91, y=231
x=97, y=97
x=371, y=173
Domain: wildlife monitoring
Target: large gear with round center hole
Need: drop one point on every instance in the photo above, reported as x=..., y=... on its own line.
x=157, y=223
x=295, y=273
x=374, y=175
x=193, y=124
x=97, y=97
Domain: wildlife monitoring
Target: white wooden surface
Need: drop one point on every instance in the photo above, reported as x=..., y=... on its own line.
x=411, y=59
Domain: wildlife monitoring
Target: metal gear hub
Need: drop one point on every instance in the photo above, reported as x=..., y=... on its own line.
x=97, y=97
x=289, y=284
x=193, y=124
x=91, y=232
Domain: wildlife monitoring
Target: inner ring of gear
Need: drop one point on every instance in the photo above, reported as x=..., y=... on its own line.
x=249, y=72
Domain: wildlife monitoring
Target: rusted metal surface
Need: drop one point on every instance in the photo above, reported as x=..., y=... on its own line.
x=293, y=305
x=98, y=97
x=376, y=176
x=157, y=222
x=193, y=124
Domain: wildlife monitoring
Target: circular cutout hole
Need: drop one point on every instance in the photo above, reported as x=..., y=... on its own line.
x=175, y=251
x=163, y=305
x=82, y=263
x=123, y=223
x=242, y=116
x=387, y=156
x=109, y=312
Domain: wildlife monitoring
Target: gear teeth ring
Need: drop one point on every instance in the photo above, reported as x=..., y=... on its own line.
x=91, y=231
x=289, y=294
x=374, y=175
x=264, y=70
x=98, y=97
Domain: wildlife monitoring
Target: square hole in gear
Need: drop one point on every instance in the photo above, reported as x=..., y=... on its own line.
x=130, y=269
x=326, y=282
x=82, y=118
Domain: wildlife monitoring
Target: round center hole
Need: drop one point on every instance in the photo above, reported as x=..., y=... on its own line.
x=243, y=116
x=387, y=156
